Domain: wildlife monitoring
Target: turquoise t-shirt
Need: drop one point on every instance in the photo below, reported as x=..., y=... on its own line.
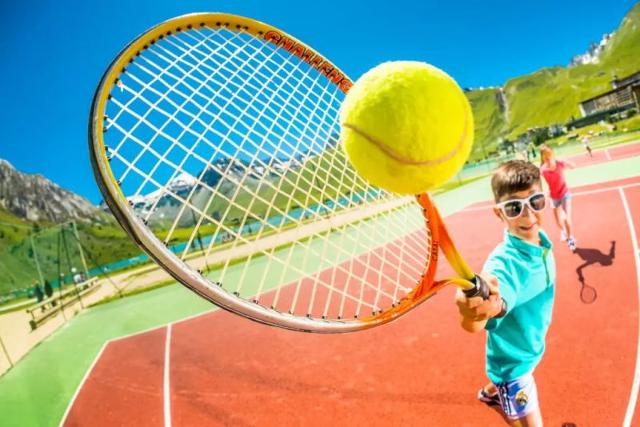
x=526, y=275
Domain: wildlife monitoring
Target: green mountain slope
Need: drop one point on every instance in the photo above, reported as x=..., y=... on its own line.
x=552, y=95
x=56, y=249
x=489, y=117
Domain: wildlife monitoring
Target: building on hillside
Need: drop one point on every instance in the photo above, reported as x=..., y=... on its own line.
x=624, y=95
x=633, y=78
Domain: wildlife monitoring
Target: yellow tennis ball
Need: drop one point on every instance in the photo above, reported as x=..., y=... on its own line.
x=406, y=127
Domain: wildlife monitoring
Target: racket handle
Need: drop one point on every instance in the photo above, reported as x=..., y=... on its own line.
x=481, y=288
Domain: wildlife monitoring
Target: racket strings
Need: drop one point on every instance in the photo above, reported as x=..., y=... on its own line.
x=296, y=184
x=263, y=123
x=153, y=107
x=252, y=160
x=200, y=137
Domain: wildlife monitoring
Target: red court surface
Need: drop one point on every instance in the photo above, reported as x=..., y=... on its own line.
x=423, y=369
x=617, y=152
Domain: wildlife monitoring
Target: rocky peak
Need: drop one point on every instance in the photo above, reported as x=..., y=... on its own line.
x=35, y=198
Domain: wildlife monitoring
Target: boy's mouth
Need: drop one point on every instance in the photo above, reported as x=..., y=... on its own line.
x=526, y=228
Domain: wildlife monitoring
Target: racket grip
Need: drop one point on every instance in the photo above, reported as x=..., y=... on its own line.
x=481, y=288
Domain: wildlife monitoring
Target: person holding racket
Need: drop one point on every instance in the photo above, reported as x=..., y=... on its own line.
x=524, y=267
x=553, y=172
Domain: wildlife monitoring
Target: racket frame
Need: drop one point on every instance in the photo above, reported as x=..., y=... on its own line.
x=137, y=229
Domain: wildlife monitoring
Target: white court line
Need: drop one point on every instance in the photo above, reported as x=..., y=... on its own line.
x=84, y=379
x=167, y=388
x=164, y=325
x=607, y=154
x=636, y=377
x=167, y=408
x=579, y=193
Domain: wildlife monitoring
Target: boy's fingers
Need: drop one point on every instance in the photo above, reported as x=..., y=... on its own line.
x=485, y=309
x=492, y=282
x=494, y=299
x=460, y=296
x=474, y=302
x=489, y=278
x=476, y=308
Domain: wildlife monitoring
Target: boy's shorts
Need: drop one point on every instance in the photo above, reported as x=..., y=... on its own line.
x=561, y=200
x=518, y=397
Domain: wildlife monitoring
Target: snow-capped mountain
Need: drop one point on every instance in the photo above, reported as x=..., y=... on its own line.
x=165, y=204
x=593, y=53
x=179, y=185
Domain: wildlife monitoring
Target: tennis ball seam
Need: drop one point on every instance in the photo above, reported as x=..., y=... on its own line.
x=408, y=161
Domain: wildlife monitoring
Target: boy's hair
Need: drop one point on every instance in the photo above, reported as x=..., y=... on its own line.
x=513, y=176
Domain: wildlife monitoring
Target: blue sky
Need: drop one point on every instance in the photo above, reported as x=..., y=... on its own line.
x=56, y=51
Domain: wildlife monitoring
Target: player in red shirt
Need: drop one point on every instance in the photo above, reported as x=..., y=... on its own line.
x=553, y=172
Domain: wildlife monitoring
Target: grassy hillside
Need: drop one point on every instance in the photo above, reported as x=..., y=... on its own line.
x=552, y=95
x=12, y=229
x=56, y=249
x=489, y=117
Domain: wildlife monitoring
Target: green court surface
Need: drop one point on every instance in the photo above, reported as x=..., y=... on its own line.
x=37, y=390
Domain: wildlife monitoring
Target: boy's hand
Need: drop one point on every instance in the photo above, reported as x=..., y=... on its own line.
x=476, y=309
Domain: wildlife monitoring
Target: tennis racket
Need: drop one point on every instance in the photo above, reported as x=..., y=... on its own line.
x=588, y=294
x=214, y=140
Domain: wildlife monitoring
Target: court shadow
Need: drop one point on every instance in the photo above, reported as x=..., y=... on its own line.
x=592, y=256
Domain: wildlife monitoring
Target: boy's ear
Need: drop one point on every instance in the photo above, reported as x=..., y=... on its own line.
x=498, y=213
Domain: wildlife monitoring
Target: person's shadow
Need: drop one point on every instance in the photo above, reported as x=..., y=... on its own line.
x=590, y=257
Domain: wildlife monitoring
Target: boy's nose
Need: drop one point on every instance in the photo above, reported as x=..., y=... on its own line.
x=527, y=211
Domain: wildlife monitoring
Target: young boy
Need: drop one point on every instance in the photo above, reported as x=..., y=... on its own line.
x=518, y=313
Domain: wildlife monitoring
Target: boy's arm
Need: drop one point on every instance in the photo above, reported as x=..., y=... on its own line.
x=474, y=312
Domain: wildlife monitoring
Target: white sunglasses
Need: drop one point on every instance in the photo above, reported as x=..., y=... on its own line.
x=513, y=208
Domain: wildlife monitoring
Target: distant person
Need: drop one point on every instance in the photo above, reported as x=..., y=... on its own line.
x=37, y=291
x=553, y=172
x=585, y=144
x=532, y=151
x=77, y=277
x=48, y=290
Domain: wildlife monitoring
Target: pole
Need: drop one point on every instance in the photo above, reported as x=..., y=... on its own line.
x=69, y=266
x=35, y=258
x=84, y=262
x=96, y=265
x=60, y=280
x=6, y=353
x=193, y=215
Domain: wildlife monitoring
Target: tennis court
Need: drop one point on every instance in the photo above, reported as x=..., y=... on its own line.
x=166, y=358
x=218, y=369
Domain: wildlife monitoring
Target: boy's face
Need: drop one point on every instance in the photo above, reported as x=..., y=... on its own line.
x=528, y=224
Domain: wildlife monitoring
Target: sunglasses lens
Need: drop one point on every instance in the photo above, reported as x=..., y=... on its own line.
x=513, y=208
x=537, y=202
